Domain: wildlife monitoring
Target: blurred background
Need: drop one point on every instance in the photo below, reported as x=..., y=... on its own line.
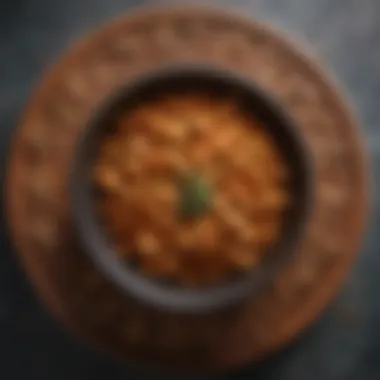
x=345, y=341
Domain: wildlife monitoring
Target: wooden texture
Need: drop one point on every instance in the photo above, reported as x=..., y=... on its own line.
x=39, y=204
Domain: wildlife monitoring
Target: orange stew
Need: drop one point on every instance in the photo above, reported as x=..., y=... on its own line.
x=192, y=190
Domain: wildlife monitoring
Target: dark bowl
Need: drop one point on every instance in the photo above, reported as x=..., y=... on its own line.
x=91, y=232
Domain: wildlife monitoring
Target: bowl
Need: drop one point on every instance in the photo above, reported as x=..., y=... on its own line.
x=92, y=235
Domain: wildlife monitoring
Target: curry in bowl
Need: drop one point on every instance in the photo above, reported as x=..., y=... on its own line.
x=191, y=188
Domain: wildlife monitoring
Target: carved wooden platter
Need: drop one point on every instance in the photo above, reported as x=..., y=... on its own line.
x=39, y=209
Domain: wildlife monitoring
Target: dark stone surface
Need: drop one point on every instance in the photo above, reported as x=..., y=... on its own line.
x=345, y=342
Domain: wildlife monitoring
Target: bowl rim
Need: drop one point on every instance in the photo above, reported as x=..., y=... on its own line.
x=92, y=236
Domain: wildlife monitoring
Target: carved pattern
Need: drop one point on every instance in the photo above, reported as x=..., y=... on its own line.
x=39, y=202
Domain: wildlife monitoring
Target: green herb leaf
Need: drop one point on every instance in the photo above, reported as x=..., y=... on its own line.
x=195, y=196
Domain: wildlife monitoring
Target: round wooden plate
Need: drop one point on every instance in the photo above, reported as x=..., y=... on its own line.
x=38, y=202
